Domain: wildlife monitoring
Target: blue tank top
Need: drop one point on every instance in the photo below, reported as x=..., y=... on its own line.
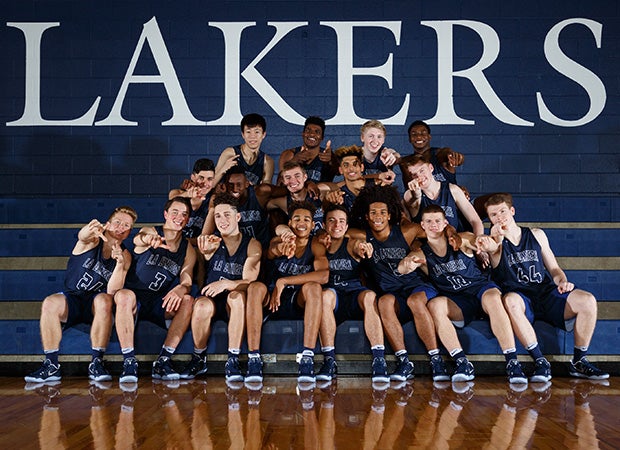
x=344, y=270
x=385, y=258
x=441, y=173
x=223, y=266
x=376, y=166
x=455, y=272
x=284, y=267
x=253, y=172
x=521, y=267
x=349, y=197
x=318, y=214
x=446, y=201
x=156, y=269
x=197, y=219
x=89, y=271
x=315, y=169
x=254, y=221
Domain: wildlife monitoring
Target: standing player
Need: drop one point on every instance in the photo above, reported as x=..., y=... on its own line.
x=298, y=269
x=464, y=294
x=536, y=288
x=346, y=298
x=95, y=271
x=233, y=262
x=157, y=289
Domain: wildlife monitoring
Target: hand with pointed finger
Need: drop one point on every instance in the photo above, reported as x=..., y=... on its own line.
x=365, y=249
x=208, y=243
x=326, y=155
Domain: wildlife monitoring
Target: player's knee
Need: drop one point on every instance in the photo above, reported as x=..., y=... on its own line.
x=204, y=309
x=256, y=291
x=236, y=300
x=513, y=303
x=102, y=303
x=368, y=299
x=53, y=305
x=417, y=302
x=311, y=290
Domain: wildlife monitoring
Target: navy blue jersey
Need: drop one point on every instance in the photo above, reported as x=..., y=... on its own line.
x=284, y=267
x=224, y=266
x=441, y=173
x=89, y=271
x=385, y=258
x=376, y=166
x=253, y=172
x=197, y=219
x=446, y=201
x=521, y=267
x=316, y=169
x=254, y=220
x=318, y=214
x=344, y=270
x=455, y=272
x=156, y=269
x=349, y=196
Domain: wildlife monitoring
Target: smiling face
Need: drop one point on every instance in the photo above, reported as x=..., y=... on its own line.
x=423, y=173
x=226, y=219
x=312, y=136
x=372, y=139
x=301, y=223
x=294, y=179
x=336, y=223
x=204, y=179
x=237, y=185
x=351, y=168
x=120, y=225
x=501, y=214
x=253, y=136
x=378, y=216
x=420, y=138
x=433, y=223
x=176, y=216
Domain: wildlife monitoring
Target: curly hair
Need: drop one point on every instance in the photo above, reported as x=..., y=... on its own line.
x=294, y=206
x=375, y=194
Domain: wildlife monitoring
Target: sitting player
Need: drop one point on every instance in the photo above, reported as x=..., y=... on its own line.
x=536, y=288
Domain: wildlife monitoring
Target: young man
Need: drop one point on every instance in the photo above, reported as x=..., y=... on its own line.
x=464, y=294
x=319, y=163
x=95, y=271
x=297, y=267
x=445, y=160
x=424, y=190
x=377, y=157
x=233, y=262
x=157, y=289
x=402, y=297
x=258, y=166
x=345, y=297
x=536, y=288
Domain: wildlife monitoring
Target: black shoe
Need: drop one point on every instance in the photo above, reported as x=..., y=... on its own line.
x=47, y=372
x=196, y=366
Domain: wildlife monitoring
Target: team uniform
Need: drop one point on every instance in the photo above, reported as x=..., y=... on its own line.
x=446, y=201
x=344, y=279
x=458, y=277
x=283, y=267
x=349, y=197
x=86, y=276
x=151, y=276
x=440, y=173
x=521, y=269
x=224, y=266
x=253, y=172
x=254, y=220
x=316, y=169
x=197, y=219
x=376, y=166
x=384, y=270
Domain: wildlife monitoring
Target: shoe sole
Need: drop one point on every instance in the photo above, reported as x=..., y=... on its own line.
x=128, y=379
x=254, y=379
x=401, y=378
x=460, y=378
x=445, y=377
x=41, y=380
x=100, y=378
x=380, y=379
x=540, y=378
x=306, y=379
x=234, y=378
x=325, y=377
x=189, y=376
x=166, y=377
x=517, y=380
x=591, y=377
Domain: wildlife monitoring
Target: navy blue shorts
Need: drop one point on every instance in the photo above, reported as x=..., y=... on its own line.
x=347, y=305
x=470, y=303
x=150, y=308
x=289, y=309
x=548, y=307
x=79, y=308
x=404, y=313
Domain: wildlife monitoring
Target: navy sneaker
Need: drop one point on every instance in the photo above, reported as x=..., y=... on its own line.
x=305, y=373
x=438, y=369
x=379, y=371
x=255, y=370
x=47, y=372
x=163, y=370
x=329, y=370
x=130, y=371
x=542, y=371
x=404, y=370
x=464, y=370
x=196, y=366
x=515, y=372
x=585, y=369
x=232, y=370
x=97, y=371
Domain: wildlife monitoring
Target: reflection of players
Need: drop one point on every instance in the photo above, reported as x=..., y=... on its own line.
x=95, y=271
x=233, y=261
x=537, y=289
x=157, y=289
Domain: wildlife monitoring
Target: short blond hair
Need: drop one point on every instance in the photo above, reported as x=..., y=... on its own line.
x=372, y=124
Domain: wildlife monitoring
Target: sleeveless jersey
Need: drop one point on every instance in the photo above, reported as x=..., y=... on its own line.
x=223, y=266
x=197, y=219
x=315, y=169
x=447, y=203
x=156, y=269
x=284, y=267
x=253, y=172
x=521, y=267
x=318, y=214
x=376, y=166
x=89, y=271
x=455, y=272
x=441, y=173
x=344, y=270
x=385, y=259
x=349, y=196
x=254, y=221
